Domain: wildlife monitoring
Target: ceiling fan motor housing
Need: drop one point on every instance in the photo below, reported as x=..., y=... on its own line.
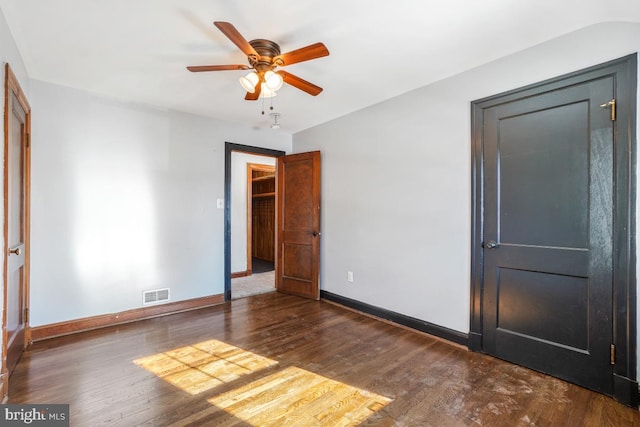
x=267, y=50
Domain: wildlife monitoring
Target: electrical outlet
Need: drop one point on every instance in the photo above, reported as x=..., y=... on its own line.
x=350, y=276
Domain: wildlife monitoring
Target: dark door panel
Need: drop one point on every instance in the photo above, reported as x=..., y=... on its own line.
x=553, y=227
x=548, y=200
x=562, y=317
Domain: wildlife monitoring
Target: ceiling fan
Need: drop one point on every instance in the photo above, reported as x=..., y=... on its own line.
x=264, y=56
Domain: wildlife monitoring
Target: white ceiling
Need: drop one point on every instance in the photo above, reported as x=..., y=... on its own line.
x=138, y=49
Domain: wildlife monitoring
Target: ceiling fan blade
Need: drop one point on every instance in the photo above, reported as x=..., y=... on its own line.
x=301, y=84
x=313, y=51
x=234, y=35
x=199, y=68
x=255, y=95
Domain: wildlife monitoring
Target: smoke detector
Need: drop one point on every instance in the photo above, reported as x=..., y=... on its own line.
x=275, y=124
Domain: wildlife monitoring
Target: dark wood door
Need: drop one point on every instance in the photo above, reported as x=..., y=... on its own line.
x=16, y=208
x=548, y=214
x=298, y=224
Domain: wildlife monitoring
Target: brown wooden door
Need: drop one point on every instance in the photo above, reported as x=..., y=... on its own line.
x=298, y=225
x=16, y=225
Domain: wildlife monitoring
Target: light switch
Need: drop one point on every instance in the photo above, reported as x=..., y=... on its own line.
x=220, y=203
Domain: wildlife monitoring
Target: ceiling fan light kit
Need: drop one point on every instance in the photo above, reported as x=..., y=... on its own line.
x=272, y=82
x=250, y=81
x=264, y=57
x=265, y=92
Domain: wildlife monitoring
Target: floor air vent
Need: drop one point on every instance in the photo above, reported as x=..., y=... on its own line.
x=157, y=295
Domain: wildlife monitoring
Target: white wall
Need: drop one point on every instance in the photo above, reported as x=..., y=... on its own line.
x=396, y=180
x=239, y=206
x=124, y=200
x=9, y=54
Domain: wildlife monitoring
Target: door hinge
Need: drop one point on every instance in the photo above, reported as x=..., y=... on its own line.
x=613, y=354
x=28, y=141
x=611, y=104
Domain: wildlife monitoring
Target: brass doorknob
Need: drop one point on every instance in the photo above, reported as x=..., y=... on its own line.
x=15, y=251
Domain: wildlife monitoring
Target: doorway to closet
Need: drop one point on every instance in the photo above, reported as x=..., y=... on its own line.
x=259, y=276
x=250, y=196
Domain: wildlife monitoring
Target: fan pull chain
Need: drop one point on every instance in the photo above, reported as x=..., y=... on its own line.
x=270, y=106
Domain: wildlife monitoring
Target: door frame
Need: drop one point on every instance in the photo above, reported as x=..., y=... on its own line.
x=229, y=148
x=624, y=71
x=11, y=85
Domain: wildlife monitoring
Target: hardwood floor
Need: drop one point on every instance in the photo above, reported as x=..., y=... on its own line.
x=278, y=360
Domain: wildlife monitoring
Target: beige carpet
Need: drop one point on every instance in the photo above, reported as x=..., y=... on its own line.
x=252, y=285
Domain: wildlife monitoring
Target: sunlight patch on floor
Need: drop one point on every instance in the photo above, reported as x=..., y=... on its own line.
x=296, y=397
x=200, y=367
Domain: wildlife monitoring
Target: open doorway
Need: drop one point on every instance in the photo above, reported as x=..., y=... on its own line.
x=254, y=273
x=249, y=220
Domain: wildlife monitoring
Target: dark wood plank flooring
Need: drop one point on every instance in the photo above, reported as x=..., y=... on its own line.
x=280, y=360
